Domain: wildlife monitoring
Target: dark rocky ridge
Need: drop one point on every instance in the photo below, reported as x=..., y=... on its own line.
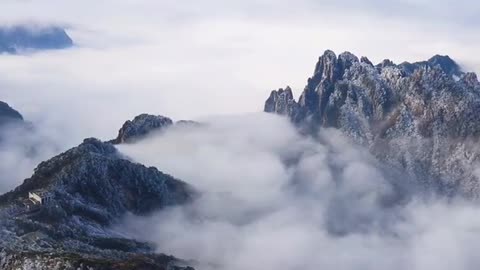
x=140, y=126
x=8, y=114
x=420, y=117
x=14, y=39
x=143, y=125
x=92, y=186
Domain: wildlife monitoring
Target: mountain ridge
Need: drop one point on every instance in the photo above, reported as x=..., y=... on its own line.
x=143, y=125
x=89, y=188
x=421, y=117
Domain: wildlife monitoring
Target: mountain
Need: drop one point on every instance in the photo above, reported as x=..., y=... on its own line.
x=144, y=124
x=14, y=39
x=140, y=126
x=8, y=114
x=62, y=215
x=419, y=117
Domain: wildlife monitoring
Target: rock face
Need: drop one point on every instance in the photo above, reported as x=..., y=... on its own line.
x=281, y=102
x=421, y=117
x=89, y=188
x=14, y=39
x=140, y=126
x=8, y=114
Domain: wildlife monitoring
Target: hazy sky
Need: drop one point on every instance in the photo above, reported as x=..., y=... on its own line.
x=188, y=59
x=191, y=59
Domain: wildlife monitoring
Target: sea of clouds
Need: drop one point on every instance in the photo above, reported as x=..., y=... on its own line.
x=274, y=199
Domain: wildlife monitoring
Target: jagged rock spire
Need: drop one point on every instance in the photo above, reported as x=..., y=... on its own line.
x=281, y=101
x=419, y=116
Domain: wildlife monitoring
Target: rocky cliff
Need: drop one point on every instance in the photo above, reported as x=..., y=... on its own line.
x=421, y=117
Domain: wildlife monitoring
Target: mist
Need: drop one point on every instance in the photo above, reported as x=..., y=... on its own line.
x=22, y=147
x=274, y=199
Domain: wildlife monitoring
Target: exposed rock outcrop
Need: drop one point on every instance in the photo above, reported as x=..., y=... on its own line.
x=421, y=117
x=144, y=124
x=282, y=102
x=140, y=126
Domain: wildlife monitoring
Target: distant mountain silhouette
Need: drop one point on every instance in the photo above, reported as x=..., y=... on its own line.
x=15, y=39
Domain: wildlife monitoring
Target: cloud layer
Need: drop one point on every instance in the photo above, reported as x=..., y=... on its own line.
x=273, y=199
x=22, y=148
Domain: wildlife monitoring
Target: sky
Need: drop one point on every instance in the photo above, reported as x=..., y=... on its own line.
x=192, y=59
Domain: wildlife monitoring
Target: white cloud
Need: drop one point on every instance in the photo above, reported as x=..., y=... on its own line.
x=272, y=199
x=22, y=148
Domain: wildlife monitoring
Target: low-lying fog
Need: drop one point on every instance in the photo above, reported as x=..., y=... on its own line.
x=272, y=199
